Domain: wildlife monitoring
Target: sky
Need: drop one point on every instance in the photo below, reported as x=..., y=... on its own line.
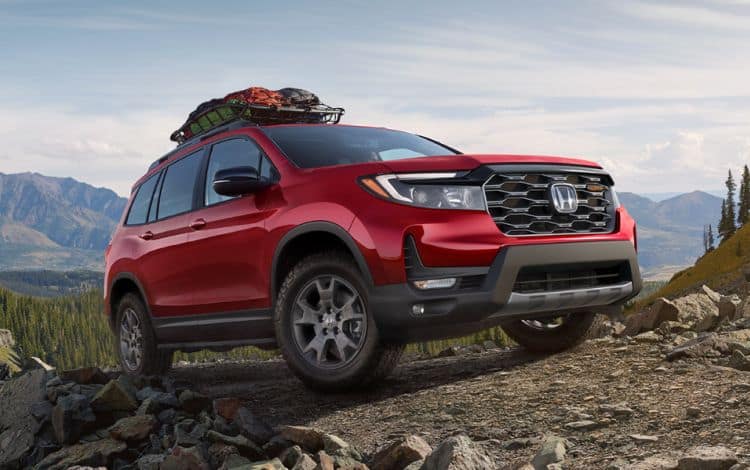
x=658, y=92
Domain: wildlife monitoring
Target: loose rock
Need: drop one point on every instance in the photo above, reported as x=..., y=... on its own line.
x=457, y=452
x=85, y=375
x=114, y=397
x=707, y=458
x=185, y=458
x=553, y=451
x=69, y=416
x=133, y=428
x=309, y=438
x=253, y=427
x=194, y=402
x=98, y=453
x=401, y=453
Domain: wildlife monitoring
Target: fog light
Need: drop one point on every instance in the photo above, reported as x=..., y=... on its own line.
x=435, y=283
x=417, y=310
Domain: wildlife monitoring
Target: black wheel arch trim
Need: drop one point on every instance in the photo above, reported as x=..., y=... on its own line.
x=141, y=291
x=318, y=226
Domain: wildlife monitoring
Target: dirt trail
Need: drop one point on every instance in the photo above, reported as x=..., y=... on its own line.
x=616, y=401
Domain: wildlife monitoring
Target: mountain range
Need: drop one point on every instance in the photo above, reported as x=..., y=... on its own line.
x=670, y=232
x=54, y=223
x=63, y=224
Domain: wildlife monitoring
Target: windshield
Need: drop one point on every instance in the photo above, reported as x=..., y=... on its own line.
x=316, y=146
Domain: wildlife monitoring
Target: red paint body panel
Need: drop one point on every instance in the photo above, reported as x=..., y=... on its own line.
x=227, y=264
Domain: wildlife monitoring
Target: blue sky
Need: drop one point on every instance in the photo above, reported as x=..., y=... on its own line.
x=659, y=92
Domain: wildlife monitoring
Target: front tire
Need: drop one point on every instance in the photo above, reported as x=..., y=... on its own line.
x=550, y=334
x=135, y=341
x=324, y=328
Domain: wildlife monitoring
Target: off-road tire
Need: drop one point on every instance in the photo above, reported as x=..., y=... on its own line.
x=154, y=361
x=374, y=361
x=571, y=332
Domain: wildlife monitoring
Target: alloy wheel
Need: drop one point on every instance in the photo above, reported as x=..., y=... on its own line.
x=131, y=340
x=329, y=322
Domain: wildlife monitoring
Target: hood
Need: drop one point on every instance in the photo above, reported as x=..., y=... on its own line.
x=470, y=161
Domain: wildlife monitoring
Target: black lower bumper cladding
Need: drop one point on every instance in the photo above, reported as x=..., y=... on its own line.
x=458, y=311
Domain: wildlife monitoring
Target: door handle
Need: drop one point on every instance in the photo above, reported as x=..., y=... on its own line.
x=148, y=235
x=197, y=224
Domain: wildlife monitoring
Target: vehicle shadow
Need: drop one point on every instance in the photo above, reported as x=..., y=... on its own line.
x=271, y=391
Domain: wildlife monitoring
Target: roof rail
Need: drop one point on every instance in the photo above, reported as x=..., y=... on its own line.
x=238, y=124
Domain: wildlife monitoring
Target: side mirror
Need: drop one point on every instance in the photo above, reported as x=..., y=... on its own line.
x=238, y=181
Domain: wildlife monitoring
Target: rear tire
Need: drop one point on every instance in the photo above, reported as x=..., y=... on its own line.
x=324, y=328
x=135, y=342
x=540, y=336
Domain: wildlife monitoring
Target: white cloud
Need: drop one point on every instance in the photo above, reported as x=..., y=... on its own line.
x=655, y=91
x=103, y=150
x=686, y=15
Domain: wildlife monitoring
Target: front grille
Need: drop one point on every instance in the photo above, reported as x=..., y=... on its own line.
x=553, y=278
x=520, y=204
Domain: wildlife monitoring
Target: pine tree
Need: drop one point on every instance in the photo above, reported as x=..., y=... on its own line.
x=727, y=227
x=722, y=227
x=743, y=214
x=710, y=238
x=705, y=239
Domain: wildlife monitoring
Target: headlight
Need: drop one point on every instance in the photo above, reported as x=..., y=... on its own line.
x=425, y=190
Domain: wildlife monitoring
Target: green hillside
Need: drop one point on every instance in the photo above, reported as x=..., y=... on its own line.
x=717, y=269
x=72, y=331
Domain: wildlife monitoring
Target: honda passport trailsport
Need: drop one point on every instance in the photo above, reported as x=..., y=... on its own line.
x=340, y=244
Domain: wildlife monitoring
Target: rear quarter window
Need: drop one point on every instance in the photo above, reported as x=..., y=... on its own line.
x=141, y=202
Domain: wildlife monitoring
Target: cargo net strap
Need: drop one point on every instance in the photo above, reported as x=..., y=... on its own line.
x=225, y=113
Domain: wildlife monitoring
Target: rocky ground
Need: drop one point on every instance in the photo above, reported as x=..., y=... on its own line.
x=669, y=388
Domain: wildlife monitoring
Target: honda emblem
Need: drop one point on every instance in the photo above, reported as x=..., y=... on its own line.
x=564, y=198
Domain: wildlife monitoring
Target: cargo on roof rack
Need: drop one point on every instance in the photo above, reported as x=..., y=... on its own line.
x=212, y=116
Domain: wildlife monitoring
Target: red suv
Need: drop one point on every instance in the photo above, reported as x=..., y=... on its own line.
x=341, y=244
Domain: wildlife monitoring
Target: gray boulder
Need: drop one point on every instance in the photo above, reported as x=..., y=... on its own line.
x=308, y=438
x=699, y=311
x=457, y=453
x=244, y=446
x=185, y=458
x=133, y=428
x=739, y=361
x=705, y=345
x=94, y=454
x=662, y=310
x=553, y=451
x=85, y=375
x=114, y=397
x=707, y=458
x=17, y=425
x=69, y=416
x=252, y=427
x=401, y=453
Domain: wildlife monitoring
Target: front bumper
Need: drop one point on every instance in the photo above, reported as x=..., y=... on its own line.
x=459, y=311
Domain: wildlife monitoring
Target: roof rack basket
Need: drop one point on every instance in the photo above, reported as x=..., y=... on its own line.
x=223, y=113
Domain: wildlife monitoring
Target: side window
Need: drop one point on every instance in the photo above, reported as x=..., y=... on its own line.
x=177, y=188
x=139, y=208
x=228, y=154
